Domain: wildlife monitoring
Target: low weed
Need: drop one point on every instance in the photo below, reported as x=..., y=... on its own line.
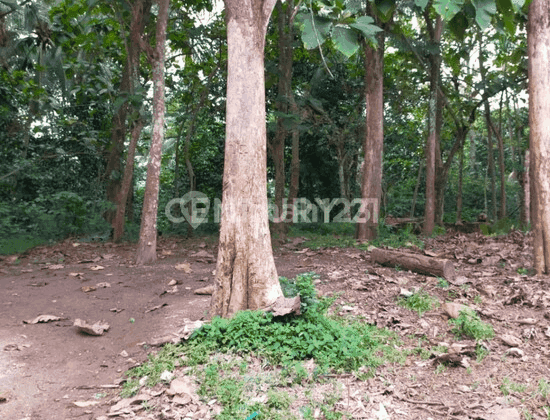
x=543, y=388
x=419, y=301
x=469, y=324
x=507, y=387
x=441, y=282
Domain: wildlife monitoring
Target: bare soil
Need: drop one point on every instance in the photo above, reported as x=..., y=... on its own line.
x=45, y=368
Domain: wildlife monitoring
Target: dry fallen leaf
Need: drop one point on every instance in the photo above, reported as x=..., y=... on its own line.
x=184, y=267
x=84, y=404
x=87, y=289
x=56, y=267
x=97, y=267
x=154, y=308
x=42, y=319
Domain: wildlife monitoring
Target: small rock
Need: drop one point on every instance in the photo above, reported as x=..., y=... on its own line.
x=514, y=351
x=510, y=340
x=453, y=309
x=505, y=414
x=208, y=290
x=166, y=376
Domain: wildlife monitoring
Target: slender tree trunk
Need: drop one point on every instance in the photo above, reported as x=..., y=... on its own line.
x=416, y=187
x=118, y=223
x=371, y=186
x=190, y=175
x=538, y=46
x=284, y=90
x=246, y=277
x=431, y=144
x=295, y=162
x=140, y=8
x=459, y=189
x=525, y=193
x=502, y=210
x=147, y=246
x=491, y=161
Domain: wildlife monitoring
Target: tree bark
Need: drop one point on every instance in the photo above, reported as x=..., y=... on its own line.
x=147, y=246
x=246, y=277
x=538, y=46
x=371, y=185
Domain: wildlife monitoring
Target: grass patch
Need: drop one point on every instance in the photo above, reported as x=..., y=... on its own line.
x=468, y=324
x=419, y=301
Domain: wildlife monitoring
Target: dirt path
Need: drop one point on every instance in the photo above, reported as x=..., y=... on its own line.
x=46, y=367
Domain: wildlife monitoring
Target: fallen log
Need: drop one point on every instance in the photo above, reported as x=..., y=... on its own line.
x=422, y=264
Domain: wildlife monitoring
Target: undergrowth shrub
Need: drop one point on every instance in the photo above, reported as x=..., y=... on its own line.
x=334, y=343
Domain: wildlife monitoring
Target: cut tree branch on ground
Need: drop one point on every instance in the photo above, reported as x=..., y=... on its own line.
x=422, y=264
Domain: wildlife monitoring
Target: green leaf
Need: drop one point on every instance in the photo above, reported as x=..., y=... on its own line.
x=421, y=3
x=485, y=9
x=448, y=8
x=458, y=24
x=315, y=31
x=385, y=9
x=365, y=25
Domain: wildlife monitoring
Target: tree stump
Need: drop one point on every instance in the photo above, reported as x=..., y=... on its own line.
x=422, y=264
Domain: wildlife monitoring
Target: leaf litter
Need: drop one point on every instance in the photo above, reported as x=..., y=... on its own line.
x=490, y=281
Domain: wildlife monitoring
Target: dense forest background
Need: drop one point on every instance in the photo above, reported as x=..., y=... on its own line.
x=76, y=88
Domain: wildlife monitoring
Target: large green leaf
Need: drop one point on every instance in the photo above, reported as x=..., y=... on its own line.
x=448, y=8
x=485, y=9
x=421, y=3
x=365, y=25
x=385, y=9
x=345, y=40
x=315, y=30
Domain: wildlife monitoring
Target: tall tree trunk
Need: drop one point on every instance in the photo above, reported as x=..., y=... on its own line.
x=371, y=185
x=147, y=246
x=246, y=277
x=538, y=41
x=435, y=62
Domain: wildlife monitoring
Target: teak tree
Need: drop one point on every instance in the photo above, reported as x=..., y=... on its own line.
x=538, y=44
x=246, y=277
x=147, y=246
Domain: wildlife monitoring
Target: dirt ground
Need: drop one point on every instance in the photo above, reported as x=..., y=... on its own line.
x=48, y=369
